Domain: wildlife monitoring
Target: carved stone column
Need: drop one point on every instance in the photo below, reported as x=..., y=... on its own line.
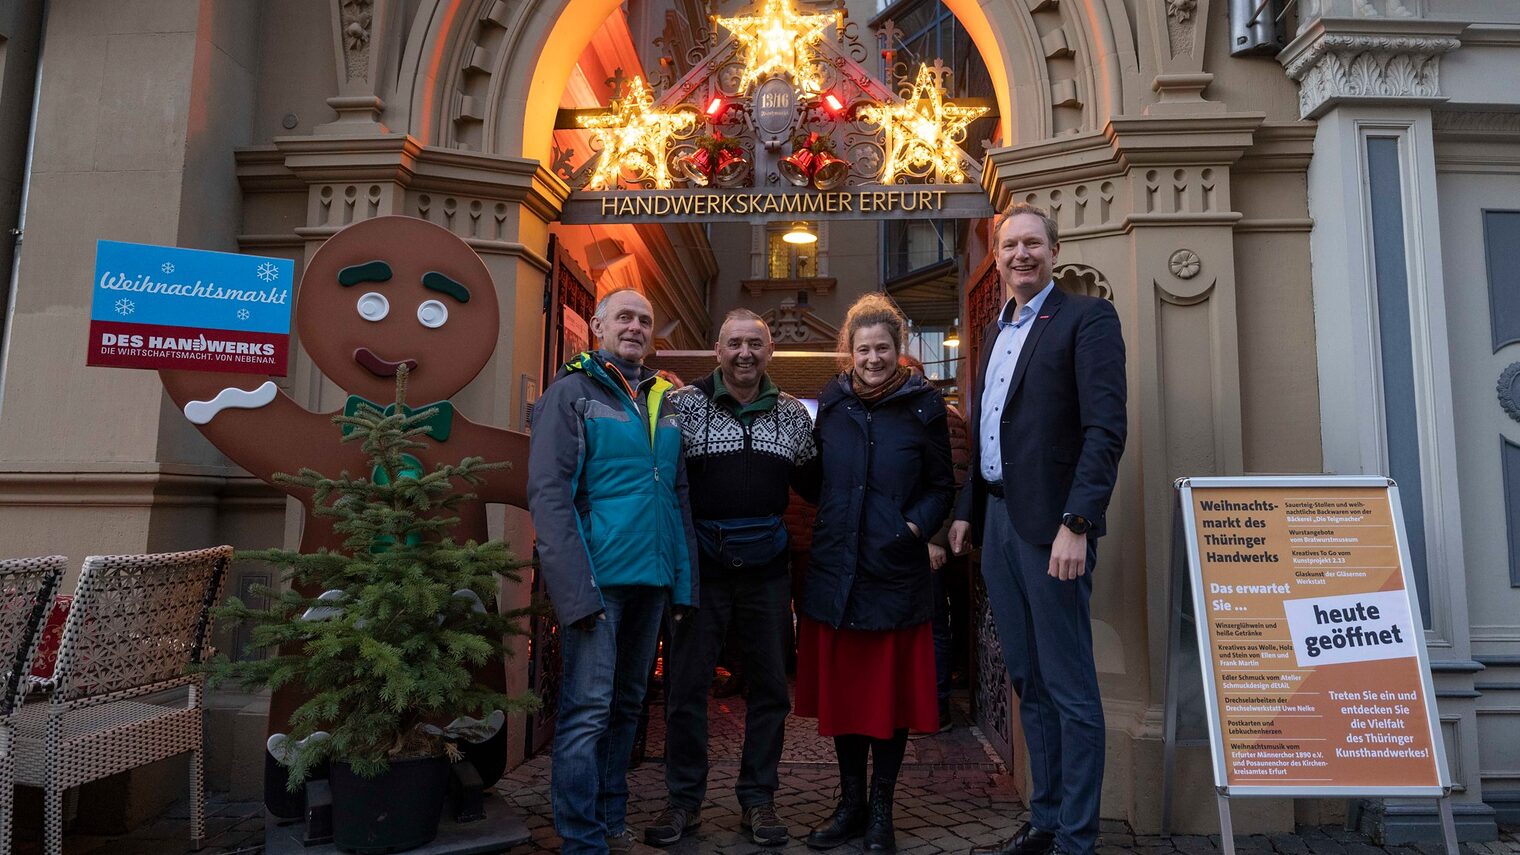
x=1177, y=30
x=1369, y=73
x=361, y=30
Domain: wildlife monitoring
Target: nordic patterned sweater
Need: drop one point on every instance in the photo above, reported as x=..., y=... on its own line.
x=742, y=466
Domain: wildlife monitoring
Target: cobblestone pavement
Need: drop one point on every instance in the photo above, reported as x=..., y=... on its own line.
x=952, y=795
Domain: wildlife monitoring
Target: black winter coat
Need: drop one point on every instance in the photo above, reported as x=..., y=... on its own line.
x=881, y=468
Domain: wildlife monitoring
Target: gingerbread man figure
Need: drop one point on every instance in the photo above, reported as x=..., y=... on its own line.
x=377, y=295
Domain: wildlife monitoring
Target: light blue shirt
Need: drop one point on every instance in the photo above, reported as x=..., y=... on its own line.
x=1001, y=365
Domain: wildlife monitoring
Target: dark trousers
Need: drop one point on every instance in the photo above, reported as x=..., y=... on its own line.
x=758, y=603
x=1044, y=625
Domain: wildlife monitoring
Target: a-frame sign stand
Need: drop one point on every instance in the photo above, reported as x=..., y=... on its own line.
x=1298, y=593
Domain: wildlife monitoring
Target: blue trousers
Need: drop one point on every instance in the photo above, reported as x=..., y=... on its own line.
x=1044, y=625
x=601, y=696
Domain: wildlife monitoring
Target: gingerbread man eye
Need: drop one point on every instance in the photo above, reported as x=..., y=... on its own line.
x=432, y=314
x=374, y=307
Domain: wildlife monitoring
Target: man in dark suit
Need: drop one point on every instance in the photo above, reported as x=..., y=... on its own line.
x=1048, y=412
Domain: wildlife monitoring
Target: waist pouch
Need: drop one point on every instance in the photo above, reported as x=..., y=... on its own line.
x=740, y=543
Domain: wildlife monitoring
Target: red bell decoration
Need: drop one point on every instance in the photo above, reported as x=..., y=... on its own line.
x=798, y=167
x=829, y=171
x=730, y=168
x=716, y=160
x=697, y=167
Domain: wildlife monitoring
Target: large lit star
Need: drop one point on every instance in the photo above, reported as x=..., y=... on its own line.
x=922, y=133
x=635, y=136
x=779, y=41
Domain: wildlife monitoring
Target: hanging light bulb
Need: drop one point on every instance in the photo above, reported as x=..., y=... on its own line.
x=800, y=235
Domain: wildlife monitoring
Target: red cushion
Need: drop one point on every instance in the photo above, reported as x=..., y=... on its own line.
x=52, y=636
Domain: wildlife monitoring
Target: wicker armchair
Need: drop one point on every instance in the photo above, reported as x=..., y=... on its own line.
x=27, y=586
x=122, y=694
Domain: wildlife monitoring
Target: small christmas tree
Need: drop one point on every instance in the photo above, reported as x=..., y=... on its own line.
x=403, y=621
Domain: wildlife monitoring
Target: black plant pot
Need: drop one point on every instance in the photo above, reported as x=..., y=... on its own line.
x=392, y=813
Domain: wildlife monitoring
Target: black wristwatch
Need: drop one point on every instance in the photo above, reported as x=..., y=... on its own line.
x=1078, y=525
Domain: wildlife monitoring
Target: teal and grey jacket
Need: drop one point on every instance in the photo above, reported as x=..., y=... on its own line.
x=607, y=489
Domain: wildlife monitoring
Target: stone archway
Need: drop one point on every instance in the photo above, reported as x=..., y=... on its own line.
x=487, y=75
x=446, y=110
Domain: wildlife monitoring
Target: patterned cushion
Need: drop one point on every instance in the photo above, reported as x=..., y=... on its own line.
x=52, y=636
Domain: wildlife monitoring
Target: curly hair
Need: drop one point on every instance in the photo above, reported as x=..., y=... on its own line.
x=871, y=309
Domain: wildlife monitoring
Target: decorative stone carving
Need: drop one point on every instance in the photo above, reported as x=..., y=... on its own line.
x=1475, y=121
x=357, y=19
x=1343, y=66
x=792, y=324
x=1509, y=390
x=1179, y=26
x=1081, y=279
x=1185, y=264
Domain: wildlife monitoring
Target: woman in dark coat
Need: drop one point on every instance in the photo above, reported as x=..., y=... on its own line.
x=865, y=664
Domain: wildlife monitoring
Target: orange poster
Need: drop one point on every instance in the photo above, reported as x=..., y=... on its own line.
x=1313, y=646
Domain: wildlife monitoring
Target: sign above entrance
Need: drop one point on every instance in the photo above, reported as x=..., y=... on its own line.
x=908, y=201
x=777, y=103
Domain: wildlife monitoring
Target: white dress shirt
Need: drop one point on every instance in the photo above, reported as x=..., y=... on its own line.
x=1001, y=365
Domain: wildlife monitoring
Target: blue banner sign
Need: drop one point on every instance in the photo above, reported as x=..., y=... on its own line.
x=166, y=307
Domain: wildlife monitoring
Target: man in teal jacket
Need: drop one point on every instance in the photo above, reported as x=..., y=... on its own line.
x=607, y=490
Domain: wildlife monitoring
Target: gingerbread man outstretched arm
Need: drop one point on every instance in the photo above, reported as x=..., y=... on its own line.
x=251, y=421
x=507, y=486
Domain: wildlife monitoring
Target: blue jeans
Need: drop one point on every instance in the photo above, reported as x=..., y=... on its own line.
x=601, y=696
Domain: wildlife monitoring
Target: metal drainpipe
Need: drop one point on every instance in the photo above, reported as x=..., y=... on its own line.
x=19, y=231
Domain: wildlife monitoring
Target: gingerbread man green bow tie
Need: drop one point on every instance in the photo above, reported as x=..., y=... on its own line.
x=441, y=422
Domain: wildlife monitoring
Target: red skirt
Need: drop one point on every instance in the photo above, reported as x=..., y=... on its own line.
x=860, y=681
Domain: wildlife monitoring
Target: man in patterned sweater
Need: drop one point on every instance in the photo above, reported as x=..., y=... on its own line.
x=745, y=442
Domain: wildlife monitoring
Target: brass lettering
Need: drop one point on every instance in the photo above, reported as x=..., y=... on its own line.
x=846, y=200
x=661, y=206
x=939, y=199
x=609, y=205
x=925, y=199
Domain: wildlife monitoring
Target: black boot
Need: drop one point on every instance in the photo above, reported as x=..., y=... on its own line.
x=849, y=819
x=879, y=834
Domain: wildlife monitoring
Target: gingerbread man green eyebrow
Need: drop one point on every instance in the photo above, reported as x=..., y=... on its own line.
x=379, y=271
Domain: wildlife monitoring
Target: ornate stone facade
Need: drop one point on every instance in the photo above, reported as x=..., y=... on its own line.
x=1334, y=64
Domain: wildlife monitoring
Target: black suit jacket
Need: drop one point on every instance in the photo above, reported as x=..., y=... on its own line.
x=1063, y=424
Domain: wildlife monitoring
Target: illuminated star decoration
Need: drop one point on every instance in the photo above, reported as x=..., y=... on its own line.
x=635, y=136
x=779, y=41
x=922, y=133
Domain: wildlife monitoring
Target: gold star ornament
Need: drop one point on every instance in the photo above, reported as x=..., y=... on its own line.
x=635, y=136
x=922, y=134
x=779, y=41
